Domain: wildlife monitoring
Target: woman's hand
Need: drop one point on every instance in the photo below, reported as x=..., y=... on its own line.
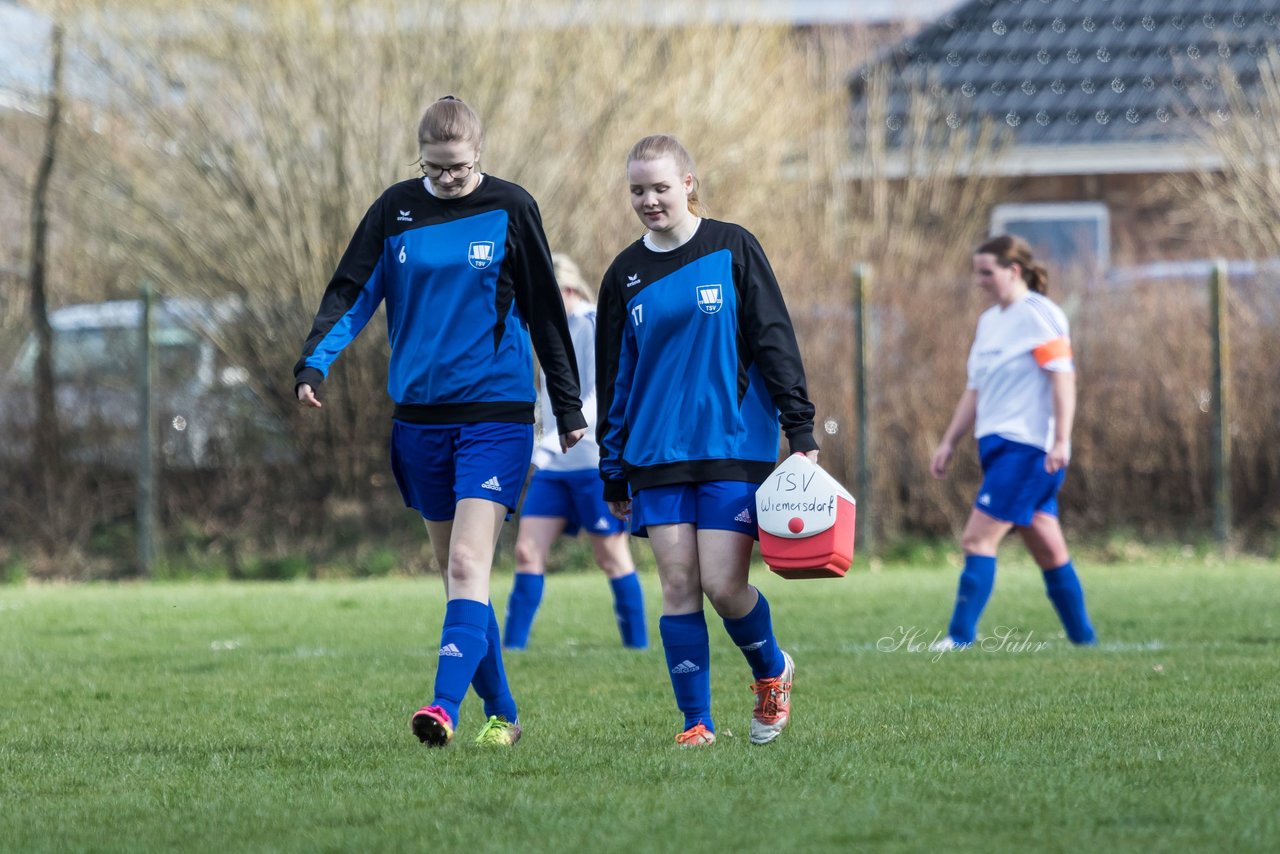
x=621, y=509
x=961, y=421
x=568, y=440
x=307, y=396
x=1058, y=457
x=941, y=459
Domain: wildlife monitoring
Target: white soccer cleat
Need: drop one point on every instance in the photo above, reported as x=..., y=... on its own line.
x=696, y=736
x=946, y=644
x=773, y=704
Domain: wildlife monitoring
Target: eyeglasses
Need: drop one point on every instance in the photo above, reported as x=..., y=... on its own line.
x=457, y=171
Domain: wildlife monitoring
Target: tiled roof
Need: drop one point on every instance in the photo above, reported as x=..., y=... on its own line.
x=1081, y=71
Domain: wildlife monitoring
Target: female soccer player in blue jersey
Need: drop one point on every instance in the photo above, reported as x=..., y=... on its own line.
x=1020, y=402
x=697, y=364
x=565, y=495
x=461, y=259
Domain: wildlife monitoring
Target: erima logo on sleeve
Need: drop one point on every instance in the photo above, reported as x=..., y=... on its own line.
x=632, y=280
x=480, y=253
x=405, y=216
x=710, y=298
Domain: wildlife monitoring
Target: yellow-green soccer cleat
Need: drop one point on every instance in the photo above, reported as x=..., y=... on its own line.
x=498, y=731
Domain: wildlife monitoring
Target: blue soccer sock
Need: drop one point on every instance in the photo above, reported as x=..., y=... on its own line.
x=522, y=607
x=976, y=581
x=463, y=643
x=688, y=651
x=490, y=680
x=754, y=636
x=1064, y=590
x=628, y=606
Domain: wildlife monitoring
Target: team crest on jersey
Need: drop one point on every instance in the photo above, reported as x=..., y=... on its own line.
x=710, y=298
x=480, y=253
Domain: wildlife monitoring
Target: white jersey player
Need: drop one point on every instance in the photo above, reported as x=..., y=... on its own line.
x=1020, y=401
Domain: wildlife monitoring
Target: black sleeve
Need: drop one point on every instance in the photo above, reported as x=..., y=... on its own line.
x=768, y=332
x=611, y=321
x=351, y=275
x=538, y=296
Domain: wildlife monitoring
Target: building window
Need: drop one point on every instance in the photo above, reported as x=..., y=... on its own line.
x=1068, y=236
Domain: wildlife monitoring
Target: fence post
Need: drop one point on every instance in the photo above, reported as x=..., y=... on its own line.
x=48, y=448
x=1220, y=424
x=146, y=495
x=861, y=372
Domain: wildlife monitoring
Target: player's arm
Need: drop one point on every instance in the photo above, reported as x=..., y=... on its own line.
x=1063, y=387
x=613, y=385
x=962, y=419
x=538, y=297
x=772, y=340
x=1054, y=356
x=350, y=299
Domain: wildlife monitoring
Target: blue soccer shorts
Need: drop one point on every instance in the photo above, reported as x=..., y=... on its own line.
x=575, y=496
x=723, y=505
x=1015, y=486
x=438, y=465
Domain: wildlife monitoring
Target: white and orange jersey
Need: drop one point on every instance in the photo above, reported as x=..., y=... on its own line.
x=1013, y=349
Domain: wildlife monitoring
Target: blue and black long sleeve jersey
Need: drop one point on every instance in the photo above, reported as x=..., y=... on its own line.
x=696, y=365
x=467, y=283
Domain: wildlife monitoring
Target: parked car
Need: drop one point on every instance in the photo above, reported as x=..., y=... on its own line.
x=206, y=412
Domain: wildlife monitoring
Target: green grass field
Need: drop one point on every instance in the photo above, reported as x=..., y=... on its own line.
x=237, y=717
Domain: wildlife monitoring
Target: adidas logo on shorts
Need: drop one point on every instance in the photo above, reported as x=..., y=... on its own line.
x=492, y=483
x=744, y=516
x=602, y=524
x=685, y=666
x=451, y=650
